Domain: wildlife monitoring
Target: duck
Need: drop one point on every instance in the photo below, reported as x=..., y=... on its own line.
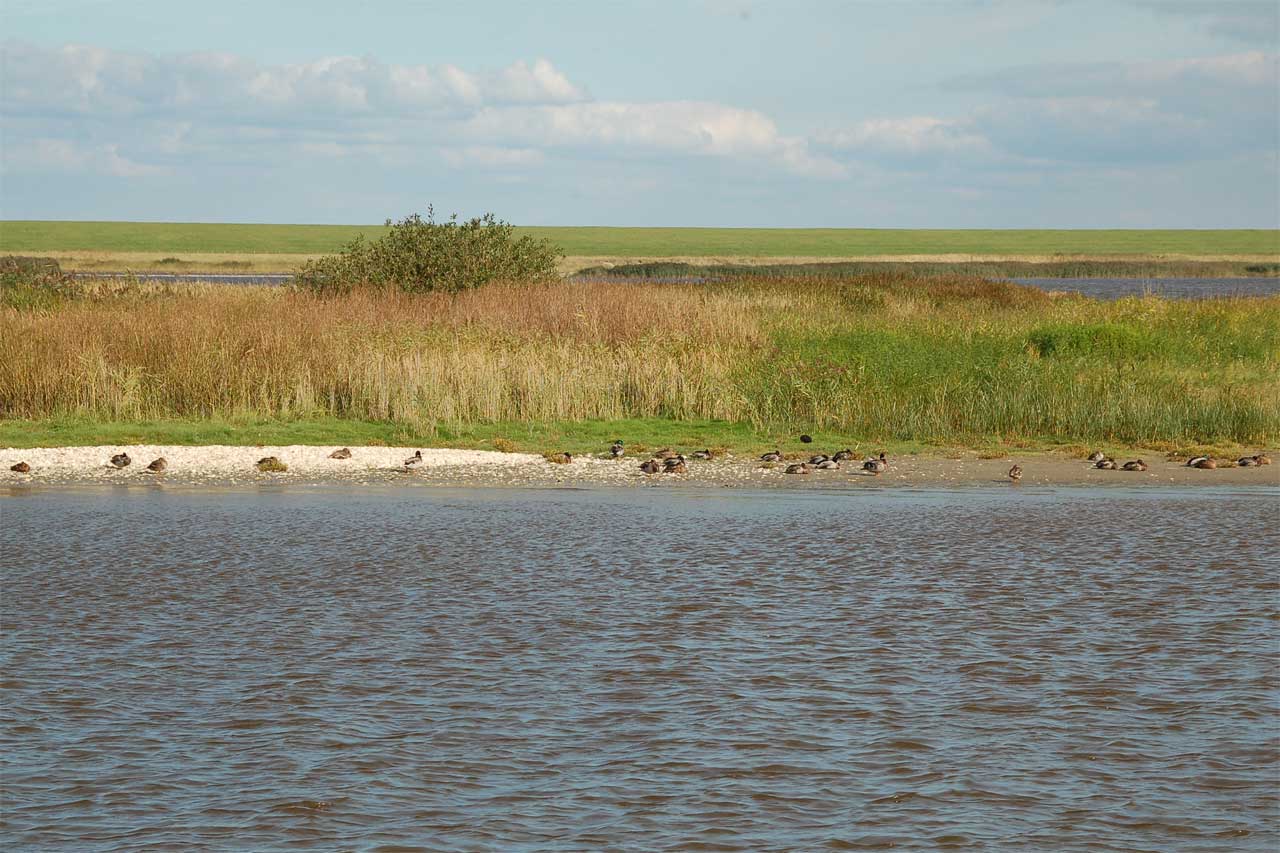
x=343, y=453
x=818, y=458
x=1097, y=456
x=1106, y=464
x=21, y=468
x=1135, y=465
x=876, y=466
x=1262, y=459
x=272, y=464
x=842, y=455
x=772, y=456
x=828, y=465
x=158, y=465
x=651, y=467
x=561, y=458
x=1198, y=461
x=664, y=453
x=703, y=454
x=675, y=465
x=1250, y=461
x=415, y=459
x=1015, y=473
x=615, y=449
x=798, y=468
x=121, y=460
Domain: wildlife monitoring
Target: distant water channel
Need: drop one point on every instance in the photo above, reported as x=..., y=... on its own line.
x=440, y=669
x=1099, y=288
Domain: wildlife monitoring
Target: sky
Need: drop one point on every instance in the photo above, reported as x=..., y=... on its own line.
x=906, y=114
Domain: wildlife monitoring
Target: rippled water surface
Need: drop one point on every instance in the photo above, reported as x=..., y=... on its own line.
x=640, y=670
x=1172, y=288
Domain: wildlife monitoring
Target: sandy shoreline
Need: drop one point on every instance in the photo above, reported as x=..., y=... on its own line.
x=219, y=465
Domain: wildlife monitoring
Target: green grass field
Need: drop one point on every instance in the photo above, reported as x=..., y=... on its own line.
x=18, y=236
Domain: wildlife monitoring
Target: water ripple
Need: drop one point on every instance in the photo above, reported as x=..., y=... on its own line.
x=454, y=670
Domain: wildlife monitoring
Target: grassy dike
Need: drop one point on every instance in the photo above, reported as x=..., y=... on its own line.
x=234, y=239
x=885, y=360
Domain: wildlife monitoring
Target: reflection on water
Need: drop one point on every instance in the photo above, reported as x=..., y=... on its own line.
x=1172, y=288
x=640, y=670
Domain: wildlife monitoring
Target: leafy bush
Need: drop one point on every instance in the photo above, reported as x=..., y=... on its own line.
x=32, y=284
x=422, y=255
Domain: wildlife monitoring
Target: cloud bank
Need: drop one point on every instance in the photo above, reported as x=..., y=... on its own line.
x=390, y=137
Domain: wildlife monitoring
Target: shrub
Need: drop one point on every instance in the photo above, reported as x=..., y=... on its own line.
x=420, y=255
x=31, y=284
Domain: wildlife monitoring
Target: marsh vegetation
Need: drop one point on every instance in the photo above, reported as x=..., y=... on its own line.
x=939, y=360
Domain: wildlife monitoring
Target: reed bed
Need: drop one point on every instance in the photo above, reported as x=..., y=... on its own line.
x=937, y=360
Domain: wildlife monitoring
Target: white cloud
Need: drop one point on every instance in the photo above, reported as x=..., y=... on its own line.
x=95, y=81
x=677, y=127
x=914, y=135
x=504, y=119
x=51, y=155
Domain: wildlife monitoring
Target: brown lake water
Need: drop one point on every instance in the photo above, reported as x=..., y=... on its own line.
x=438, y=669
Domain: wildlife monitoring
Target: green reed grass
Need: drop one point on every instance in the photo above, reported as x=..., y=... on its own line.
x=945, y=360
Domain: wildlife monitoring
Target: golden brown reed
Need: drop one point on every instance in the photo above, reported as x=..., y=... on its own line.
x=505, y=352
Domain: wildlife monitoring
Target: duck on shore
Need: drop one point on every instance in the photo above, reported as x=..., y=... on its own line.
x=772, y=456
x=653, y=466
x=1106, y=464
x=703, y=454
x=675, y=465
x=798, y=468
x=1015, y=473
x=876, y=467
x=1135, y=465
x=1097, y=456
x=827, y=465
x=272, y=465
x=615, y=449
x=1204, y=462
x=341, y=453
x=158, y=465
x=1251, y=461
x=561, y=458
x=415, y=459
x=818, y=458
x=842, y=455
x=21, y=468
x=120, y=460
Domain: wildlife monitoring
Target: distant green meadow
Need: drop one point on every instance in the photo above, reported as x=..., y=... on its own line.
x=18, y=236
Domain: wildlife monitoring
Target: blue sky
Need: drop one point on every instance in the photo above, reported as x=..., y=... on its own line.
x=968, y=113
